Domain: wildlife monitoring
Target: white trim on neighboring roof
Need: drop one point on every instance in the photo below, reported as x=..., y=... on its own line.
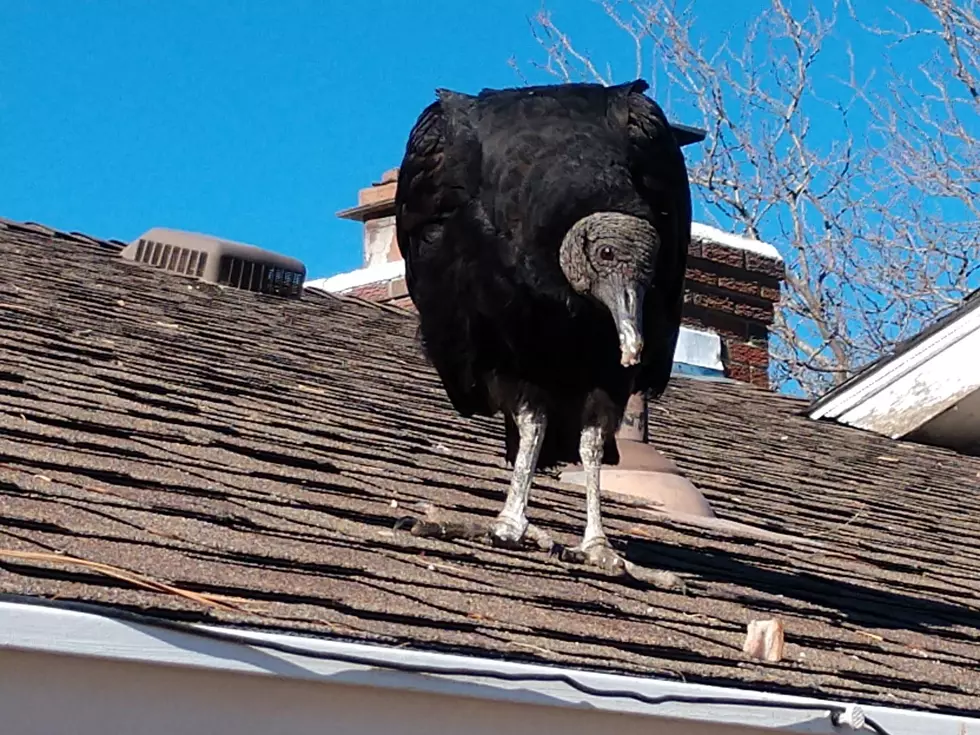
x=361, y=277
x=730, y=239
x=905, y=392
x=52, y=630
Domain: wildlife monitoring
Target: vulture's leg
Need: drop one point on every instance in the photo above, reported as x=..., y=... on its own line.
x=510, y=528
x=594, y=548
x=511, y=523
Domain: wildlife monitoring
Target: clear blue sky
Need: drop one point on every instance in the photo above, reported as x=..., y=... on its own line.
x=252, y=120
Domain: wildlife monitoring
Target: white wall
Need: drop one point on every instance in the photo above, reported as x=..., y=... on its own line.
x=48, y=694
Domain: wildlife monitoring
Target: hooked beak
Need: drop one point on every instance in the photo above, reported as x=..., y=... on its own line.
x=625, y=303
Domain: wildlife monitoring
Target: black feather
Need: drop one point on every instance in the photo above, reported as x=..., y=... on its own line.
x=488, y=187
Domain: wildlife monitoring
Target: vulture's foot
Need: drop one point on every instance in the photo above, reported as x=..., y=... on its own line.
x=596, y=553
x=504, y=533
x=443, y=530
x=540, y=538
x=659, y=578
x=499, y=533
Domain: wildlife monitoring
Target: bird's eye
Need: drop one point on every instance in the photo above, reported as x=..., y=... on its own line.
x=606, y=253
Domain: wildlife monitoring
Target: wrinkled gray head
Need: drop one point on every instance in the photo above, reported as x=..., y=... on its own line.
x=610, y=256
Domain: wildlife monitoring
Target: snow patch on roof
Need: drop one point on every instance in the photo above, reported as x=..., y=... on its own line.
x=702, y=231
x=361, y=277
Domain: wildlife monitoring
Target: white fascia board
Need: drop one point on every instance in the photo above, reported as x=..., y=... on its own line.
x=920, y=365
x=52, y=630
x=922, y=393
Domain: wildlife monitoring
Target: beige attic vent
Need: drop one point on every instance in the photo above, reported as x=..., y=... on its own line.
x=218, y=261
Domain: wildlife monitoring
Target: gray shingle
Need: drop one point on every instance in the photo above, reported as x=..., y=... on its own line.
x=250, y=447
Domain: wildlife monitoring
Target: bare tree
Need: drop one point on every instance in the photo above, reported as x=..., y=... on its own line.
x=865, y=180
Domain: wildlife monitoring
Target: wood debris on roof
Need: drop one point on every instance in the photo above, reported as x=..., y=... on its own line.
x=260, y=451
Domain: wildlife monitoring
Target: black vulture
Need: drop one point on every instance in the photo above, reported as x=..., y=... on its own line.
x=545, y=233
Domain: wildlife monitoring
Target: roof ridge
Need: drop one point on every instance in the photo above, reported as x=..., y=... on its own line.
x=35, y=228
x=391, y=308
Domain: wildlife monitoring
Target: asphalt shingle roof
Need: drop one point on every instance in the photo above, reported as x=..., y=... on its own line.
x=258, y=451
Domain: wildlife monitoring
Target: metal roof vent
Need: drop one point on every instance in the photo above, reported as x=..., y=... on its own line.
x=218, y=261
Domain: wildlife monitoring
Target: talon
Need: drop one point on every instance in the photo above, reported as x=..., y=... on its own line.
x=507, y=533
x=406, y=522
x=540, y=538
x=502, y=533
x=662, y=579
x=597, y=553
x=443, y=530
x=606, y=559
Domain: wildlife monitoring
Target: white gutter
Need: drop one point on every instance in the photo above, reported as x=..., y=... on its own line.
x=52, y=630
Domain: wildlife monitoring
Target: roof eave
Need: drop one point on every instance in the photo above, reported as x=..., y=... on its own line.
x=53, y=628
x=373, y=210
x=927, y=365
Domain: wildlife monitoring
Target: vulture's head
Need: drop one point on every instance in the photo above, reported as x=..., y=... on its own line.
x=610, y=257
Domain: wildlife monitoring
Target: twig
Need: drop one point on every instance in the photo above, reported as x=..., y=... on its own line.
x=121, y=574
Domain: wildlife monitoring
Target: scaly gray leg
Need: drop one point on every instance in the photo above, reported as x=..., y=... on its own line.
x=511, y=523
x=594, y=548
x=510, y=529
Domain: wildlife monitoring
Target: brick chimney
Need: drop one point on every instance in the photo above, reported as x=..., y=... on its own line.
x=733, y=283
x=733, y=286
